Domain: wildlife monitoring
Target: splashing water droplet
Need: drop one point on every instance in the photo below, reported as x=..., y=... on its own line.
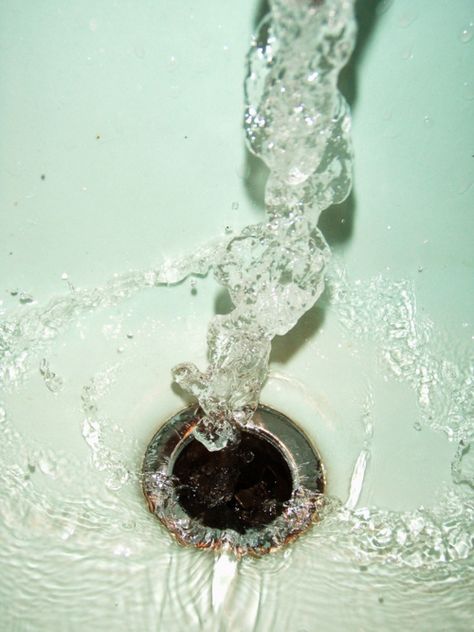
x=52, y=381
x=466, y=33
x=116, y=478
x=428, y=121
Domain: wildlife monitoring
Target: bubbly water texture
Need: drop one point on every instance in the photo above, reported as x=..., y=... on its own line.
x=78, y=545
x=298, y=123
x=70, y=525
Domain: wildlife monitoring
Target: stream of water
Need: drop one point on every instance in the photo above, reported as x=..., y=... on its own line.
x=72, y=523
x=297, y=121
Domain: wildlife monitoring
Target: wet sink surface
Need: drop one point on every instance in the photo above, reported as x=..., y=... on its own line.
x=122, y=148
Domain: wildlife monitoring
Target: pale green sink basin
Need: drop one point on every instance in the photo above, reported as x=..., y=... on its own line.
x=122, y=148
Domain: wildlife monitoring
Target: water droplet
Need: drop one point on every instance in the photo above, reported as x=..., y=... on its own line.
x=48, y=467
x=14, y=292
x=407, y=19
x=116, y=478
x=417, y=426
x=467, y=32
x=52, y=381
x=428, y=121
x=468, y=90
x=25, y=298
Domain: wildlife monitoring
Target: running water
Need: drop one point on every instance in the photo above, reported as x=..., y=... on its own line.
x=72, y=517
x=298, y=123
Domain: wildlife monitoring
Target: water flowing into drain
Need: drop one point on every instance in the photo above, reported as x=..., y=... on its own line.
x=59, y=508
x=252, y=496
x=298, y=123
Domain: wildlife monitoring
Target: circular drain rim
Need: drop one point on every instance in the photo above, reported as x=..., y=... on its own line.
x=304, y=462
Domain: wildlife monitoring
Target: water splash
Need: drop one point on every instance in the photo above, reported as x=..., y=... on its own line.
x=410, y=347
x=66, y=532
x=52, y=381
x=298, y=123
x=44, y=324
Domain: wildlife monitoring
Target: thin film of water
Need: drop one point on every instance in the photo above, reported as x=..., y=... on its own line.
x=57, y=506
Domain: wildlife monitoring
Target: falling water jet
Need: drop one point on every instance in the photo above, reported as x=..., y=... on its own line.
x=298, y=123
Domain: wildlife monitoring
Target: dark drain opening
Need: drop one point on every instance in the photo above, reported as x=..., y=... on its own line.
x=252, y=498
x=240, y=487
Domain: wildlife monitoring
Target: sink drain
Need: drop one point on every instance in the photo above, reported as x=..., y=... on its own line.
x=253, y=496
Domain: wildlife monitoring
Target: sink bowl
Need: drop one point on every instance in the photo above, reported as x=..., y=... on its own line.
x=123, y=151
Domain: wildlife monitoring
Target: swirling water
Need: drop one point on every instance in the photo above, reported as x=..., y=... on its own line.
x=79, y=547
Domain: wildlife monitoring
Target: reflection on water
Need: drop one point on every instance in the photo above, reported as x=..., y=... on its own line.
x=72, y=524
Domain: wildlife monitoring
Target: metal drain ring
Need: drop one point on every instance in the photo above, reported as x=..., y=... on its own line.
x=304, y=463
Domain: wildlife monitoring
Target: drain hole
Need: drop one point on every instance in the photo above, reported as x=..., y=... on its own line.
x=240, y=487
x=253, y=497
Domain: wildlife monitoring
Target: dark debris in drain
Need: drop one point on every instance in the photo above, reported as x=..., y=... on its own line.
x=240, y=487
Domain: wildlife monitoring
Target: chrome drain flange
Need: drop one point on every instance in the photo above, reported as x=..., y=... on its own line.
x=251, y=497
